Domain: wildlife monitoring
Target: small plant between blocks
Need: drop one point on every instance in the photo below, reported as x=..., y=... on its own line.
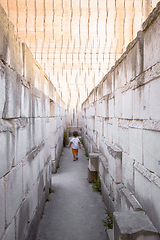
x=51, y=190
x=96, y=185
x=108, y=222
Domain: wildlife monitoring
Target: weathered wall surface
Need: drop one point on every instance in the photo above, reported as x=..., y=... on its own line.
x=77, y=41
x=32, y=121
x=122, y=118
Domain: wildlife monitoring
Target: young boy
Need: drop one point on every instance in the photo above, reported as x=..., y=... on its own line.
x=75, y=145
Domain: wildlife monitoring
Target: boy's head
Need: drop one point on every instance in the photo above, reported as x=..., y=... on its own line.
x=75, y=134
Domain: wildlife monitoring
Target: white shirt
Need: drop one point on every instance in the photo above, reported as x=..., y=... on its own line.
x=75, y=142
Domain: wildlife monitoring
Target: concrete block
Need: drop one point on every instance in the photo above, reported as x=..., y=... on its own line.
x=124, y=139
x=47, y=126
x=31, y=169
x=92, y=111
x=151, y=151
x=135, y=144
x=29, y=67
x=43, y=124
x=134, y=57
x=143, y=189
x=53, y=153
x=4, y=40
x=114, y=157
x=103, y=168
x=107, y=84
x=52, y=108
x=110, y=132
x=6, y=151
x=36, y=167
x=46, y=85
x=36, y=105
x=25, y=102
x=127, y=104
x=128, y=201
x=13, y=184
x=155, y=99
x=111, y=107
x=22, y=139
x=93, y=161
x=40, y=102
x=33, y=200
x=115, y=131
x=52, y=124
x=118, y=103
x=22, y=217
x=100, y=91
x=52, y=140
x=147, y=191
x=10, y=232
x=13, y=95
x=48, y=173
x=2, y=207
x=154, y=214
x=117, y=72
x=53, y=166
x=42, y=159
x=108, y=181
x=35, y=100
x=2, y=90
x=110, y=234
x=135, y=225
x=141, y=102
x=92, y=175
x=107, y=199
x=38, y=131
x=27, y=176
x=41, y=185
x=46, y=107
x=47, y=149
x=151, y=43
x=128, y=171
x=105, y=128
x=31, y=124
x=15, y=59
x=123, y=70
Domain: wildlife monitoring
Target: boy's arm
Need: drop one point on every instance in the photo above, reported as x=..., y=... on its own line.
x=70, y=144
x=79, y=145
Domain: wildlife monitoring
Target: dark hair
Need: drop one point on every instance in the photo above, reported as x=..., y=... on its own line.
x=75, y=134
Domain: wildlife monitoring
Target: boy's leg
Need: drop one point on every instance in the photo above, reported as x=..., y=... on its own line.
x=74, y=157
x=77, y=154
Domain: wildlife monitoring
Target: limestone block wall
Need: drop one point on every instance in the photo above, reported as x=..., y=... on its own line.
x=121, y=118
x=27, y=127
x=77, y=41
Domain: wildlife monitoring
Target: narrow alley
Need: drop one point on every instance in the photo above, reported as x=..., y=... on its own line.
x=91, y=67
x=75, y=211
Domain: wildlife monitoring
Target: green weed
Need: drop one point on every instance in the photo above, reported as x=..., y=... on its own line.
x=48, y=199
x=96, y=184
x=51, y=190
x=108, y=222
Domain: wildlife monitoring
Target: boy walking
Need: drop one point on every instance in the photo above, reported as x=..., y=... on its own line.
x=75, y=143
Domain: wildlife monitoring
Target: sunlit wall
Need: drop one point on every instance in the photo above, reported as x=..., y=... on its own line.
x=77, y=41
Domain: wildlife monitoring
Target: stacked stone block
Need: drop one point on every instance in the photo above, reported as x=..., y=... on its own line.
x=25, y=135
x=121, y=116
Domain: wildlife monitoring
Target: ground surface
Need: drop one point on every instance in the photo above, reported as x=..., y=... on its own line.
x=75, y=211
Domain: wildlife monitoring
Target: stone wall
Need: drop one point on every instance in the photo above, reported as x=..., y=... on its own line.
x=122, y=120
x=77, y=41
x=32, y=122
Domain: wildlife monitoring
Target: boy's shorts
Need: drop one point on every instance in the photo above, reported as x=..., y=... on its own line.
x=74, y=151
